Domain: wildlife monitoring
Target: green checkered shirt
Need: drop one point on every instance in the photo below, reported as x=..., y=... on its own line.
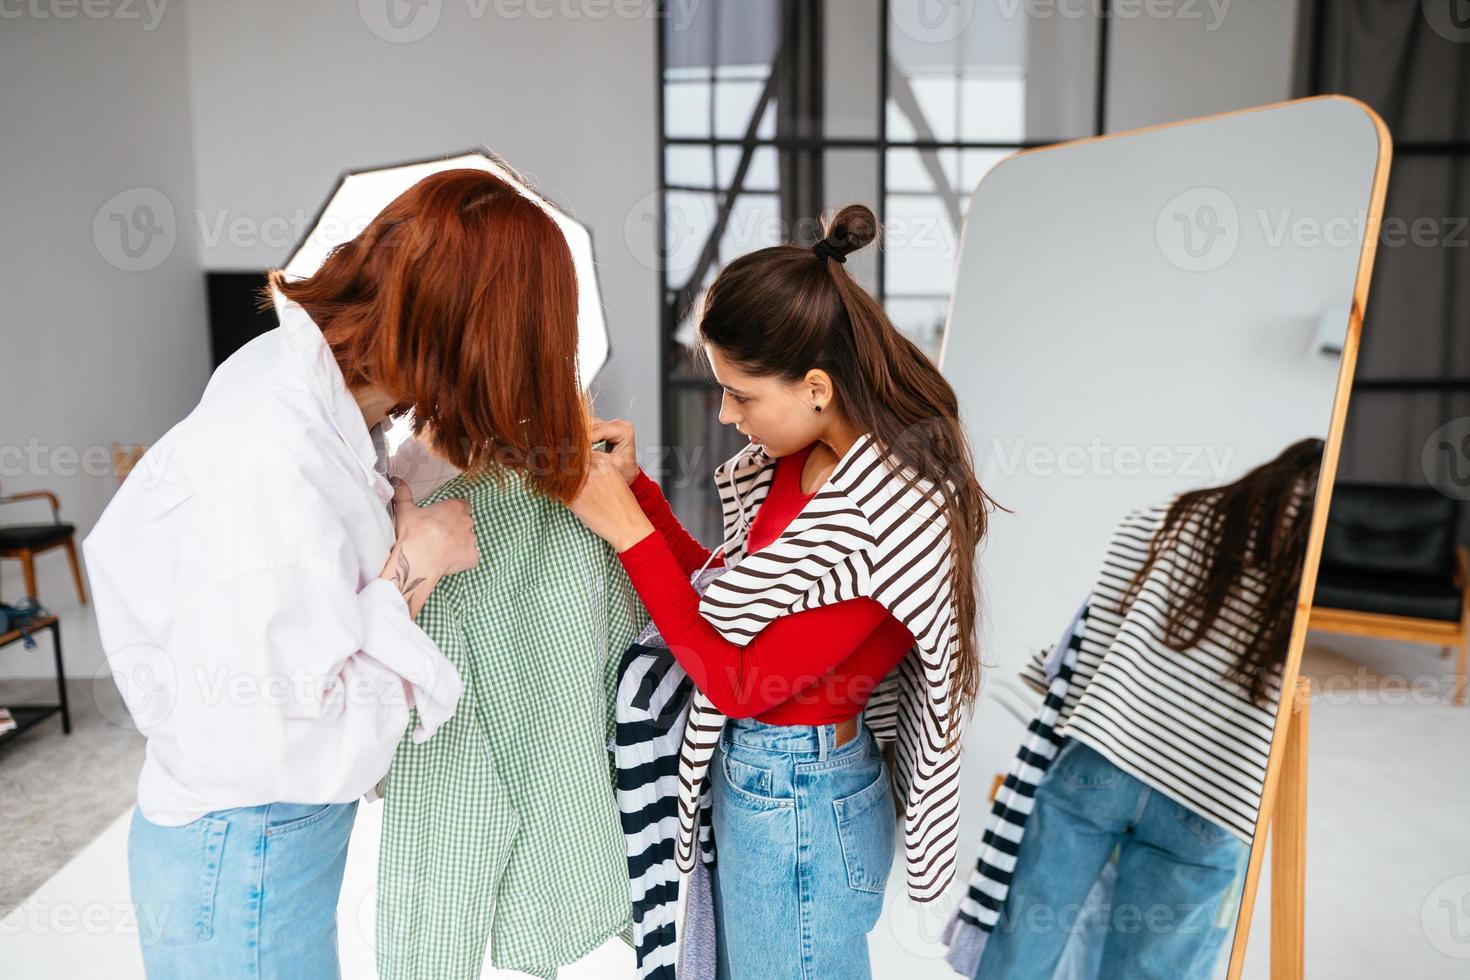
x=504, y=826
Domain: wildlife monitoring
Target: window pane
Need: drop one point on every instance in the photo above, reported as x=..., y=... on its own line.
x=689, y=217
x=850, y=41
x=759, y=176
x=928, y=195
x=737, y=93
x=755, y=222
x=728, y=47
x=689, y=166
x=989, y=73
x=686, y=103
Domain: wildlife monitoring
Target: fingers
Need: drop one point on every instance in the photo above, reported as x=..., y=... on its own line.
x=616, y=430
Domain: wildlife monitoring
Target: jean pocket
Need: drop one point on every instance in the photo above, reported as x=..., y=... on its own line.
x=1205, y=830
x=867, y=832
x=175, y=875
x=749, y=784
x=1084, y=768
x=282, y=818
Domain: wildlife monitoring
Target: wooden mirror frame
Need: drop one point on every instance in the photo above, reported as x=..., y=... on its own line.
x=1347, y=363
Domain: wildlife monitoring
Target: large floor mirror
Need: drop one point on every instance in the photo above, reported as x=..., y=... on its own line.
x=1152, y=336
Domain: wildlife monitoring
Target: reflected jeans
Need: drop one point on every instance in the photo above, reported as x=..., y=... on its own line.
x=1174, y=870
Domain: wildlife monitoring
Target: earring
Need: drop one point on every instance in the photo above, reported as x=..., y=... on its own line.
x=816, y=408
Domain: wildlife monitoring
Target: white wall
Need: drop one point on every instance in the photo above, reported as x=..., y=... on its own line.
x=232, y=121
x=95, y=346
x=288, y=95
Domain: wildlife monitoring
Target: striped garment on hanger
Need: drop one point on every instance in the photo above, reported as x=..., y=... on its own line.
x=979, y=910
x=651, y=707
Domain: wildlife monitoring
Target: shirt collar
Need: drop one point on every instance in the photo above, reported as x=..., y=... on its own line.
x=320, y=366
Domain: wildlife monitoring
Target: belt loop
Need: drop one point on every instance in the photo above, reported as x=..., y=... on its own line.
x=822, y=742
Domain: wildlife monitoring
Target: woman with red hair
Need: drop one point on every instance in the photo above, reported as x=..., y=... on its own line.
x=256, y=585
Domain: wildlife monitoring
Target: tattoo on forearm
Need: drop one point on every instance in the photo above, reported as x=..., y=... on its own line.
x=403, y=577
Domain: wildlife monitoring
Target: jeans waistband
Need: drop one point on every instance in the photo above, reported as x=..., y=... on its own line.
x=819, y=741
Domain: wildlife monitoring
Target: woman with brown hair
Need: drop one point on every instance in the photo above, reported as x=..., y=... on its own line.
x=257, y=601
x=846, y=592
x=1164, y=731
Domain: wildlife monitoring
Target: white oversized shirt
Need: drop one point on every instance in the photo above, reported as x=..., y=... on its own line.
x=237, y=591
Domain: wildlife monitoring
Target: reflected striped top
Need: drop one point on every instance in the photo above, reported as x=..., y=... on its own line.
x=1170, y=718
x=863, y=534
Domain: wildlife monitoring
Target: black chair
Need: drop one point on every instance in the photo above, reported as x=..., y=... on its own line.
x=25, y=541
x=1391, y=569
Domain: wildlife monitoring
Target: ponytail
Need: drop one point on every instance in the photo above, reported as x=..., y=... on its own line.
x=787, y=309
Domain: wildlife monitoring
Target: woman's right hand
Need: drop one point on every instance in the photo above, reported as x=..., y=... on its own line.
x=436, y=540
x=624, y=451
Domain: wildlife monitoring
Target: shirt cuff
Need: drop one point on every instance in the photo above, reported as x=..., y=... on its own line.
x=397, y=642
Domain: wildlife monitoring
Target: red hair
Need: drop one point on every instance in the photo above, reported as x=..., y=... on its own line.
x=459, y=301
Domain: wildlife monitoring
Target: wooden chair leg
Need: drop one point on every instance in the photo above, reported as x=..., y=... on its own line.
x=76, y=570
x=28, y=569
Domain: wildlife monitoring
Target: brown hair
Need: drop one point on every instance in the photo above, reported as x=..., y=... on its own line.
x=459, y=300
x=1256, y=527
x=783, y=311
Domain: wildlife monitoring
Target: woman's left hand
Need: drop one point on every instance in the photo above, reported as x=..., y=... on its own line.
x=607, y=506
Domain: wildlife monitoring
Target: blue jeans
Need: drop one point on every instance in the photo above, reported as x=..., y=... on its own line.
x=249, y=892
x=1174, y=870
x=804, y=838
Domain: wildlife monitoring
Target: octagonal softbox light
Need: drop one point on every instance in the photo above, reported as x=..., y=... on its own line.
x=361, y=194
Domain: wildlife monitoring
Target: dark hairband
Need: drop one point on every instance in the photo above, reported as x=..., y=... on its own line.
x=825, y=247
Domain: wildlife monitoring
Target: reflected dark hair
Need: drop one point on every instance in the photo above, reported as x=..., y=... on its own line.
x=1254, y=529
x=785, y=310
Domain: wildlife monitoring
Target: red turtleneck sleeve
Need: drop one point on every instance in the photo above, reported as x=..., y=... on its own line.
x=813, y=667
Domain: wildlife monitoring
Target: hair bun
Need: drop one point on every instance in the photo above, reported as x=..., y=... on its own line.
x=852, y=228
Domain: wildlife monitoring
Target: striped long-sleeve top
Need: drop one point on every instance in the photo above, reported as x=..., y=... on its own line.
x=866, y=533
x=1171, y=718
